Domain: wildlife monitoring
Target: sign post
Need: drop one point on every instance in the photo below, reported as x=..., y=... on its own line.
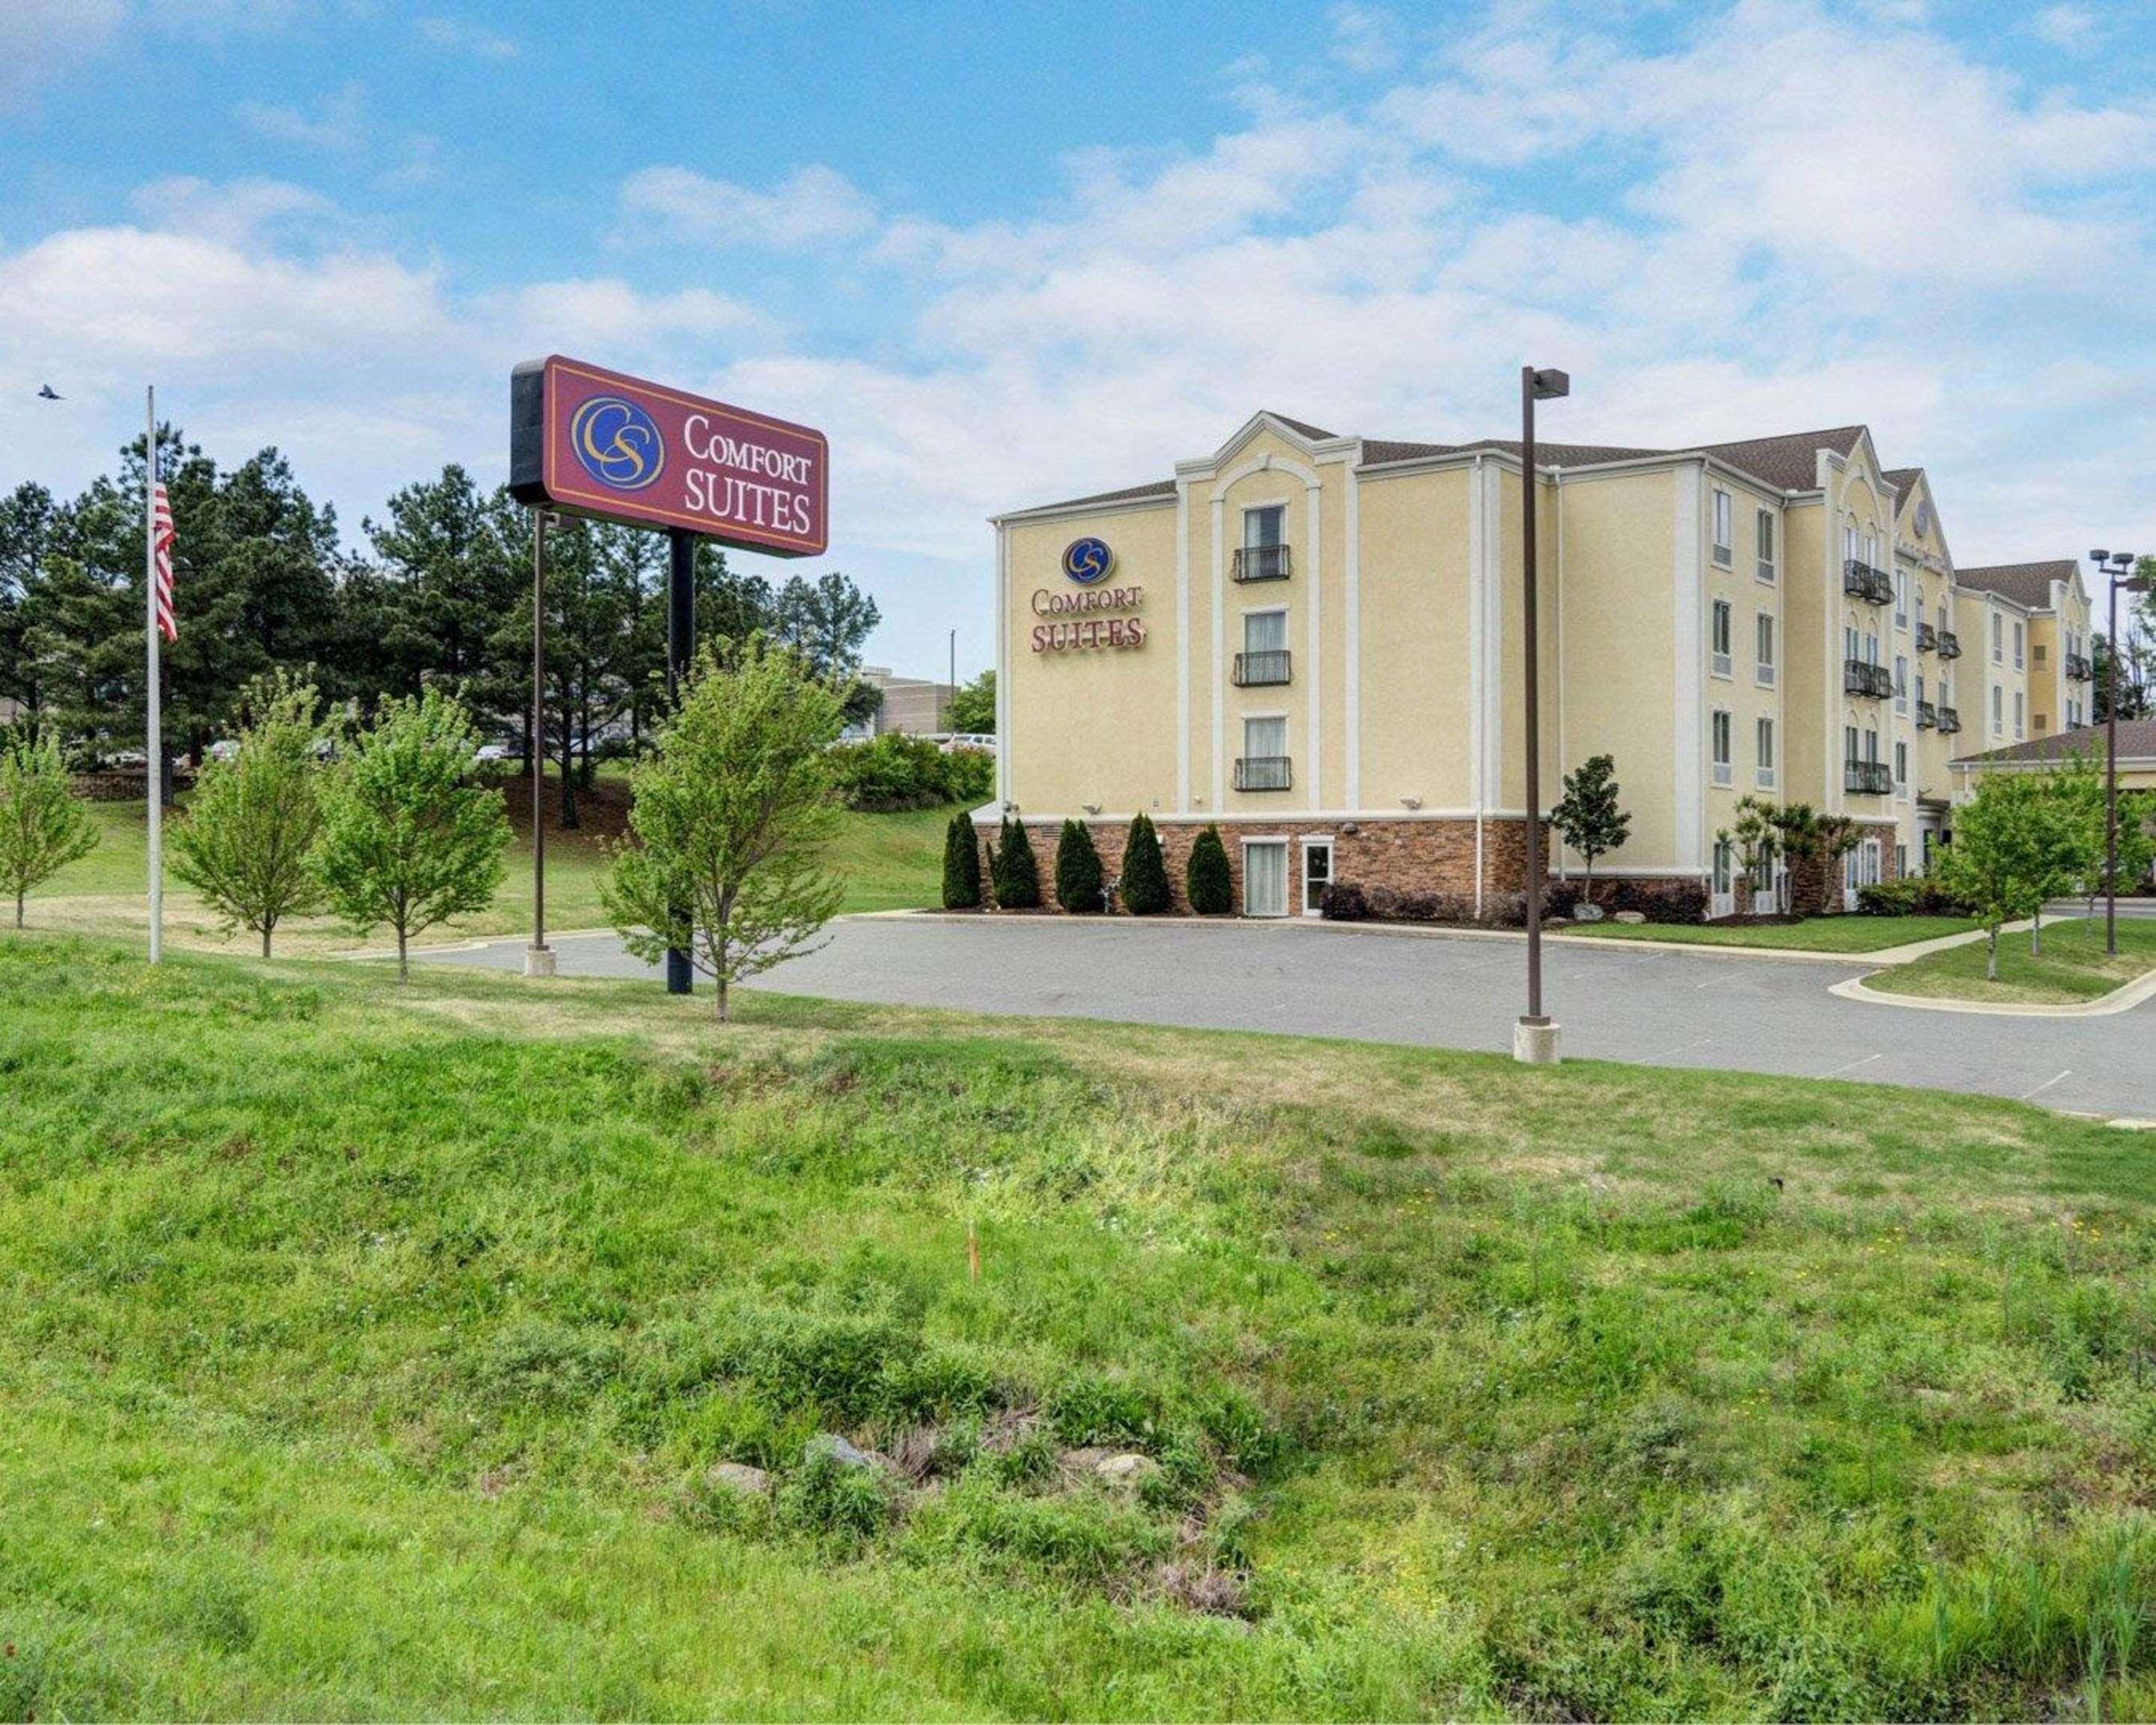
x=586, y=441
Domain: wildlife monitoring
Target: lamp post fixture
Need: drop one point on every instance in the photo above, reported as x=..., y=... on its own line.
x=1534, y=1037
x=2115, y=567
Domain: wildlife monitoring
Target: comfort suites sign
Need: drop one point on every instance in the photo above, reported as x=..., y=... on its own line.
x=596, y=443
x=1095, y=615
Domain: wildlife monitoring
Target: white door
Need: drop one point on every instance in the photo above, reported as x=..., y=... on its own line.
x=1265, y=878
x=1316, y=875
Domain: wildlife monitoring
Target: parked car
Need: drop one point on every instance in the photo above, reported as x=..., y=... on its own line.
x=223, y=749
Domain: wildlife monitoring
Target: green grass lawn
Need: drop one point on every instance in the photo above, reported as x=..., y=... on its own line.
x=2072, y=967
x=888, y=862
x=1816, y=934
x=366, y=1352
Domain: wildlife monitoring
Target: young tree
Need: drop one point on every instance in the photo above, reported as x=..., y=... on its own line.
x=1016, y=873
x=407, y=838
x=961, y=864
x=247, y=843
x=1755, y=840
x=1589, y=816
x=42, y=827
x=1997, y=861
x=1078, y=878
x=1145, y=869
x=973, y=705
x=1207, y=880
x=728, y=817
x=2070, y=831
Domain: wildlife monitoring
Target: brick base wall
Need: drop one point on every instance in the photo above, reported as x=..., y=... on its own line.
x=1406, y=856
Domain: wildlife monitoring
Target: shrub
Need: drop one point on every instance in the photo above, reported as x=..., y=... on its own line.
x=826, y=1499
x=895, y=770
x=1145, y=871
x=1886, y=898
x=1077, y=870
x=961, y=864
x=1017, y=875
x=1659, y=901
x=1206, y=881
x=1344, y=902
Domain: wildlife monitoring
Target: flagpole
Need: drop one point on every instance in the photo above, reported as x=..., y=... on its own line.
x=154, y=774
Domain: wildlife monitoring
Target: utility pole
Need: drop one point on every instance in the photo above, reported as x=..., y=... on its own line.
x=1534, y=1037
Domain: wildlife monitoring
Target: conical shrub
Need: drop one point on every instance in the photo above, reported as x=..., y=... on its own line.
x=1211, y=887
x=1016, y=875
x=962, y=865
x=1145, y=871
x=1077, y=870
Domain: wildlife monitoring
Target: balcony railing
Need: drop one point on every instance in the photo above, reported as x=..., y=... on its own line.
x=1256, y=670
x=1928, y=716
x=1949, y=644
x=1861, y=581
x=1261, y=563
x=1927, y=637
x=1870, y=779
x=1950, y=719
x=1860, y=676
x=2079, y=670
x=1263, y=773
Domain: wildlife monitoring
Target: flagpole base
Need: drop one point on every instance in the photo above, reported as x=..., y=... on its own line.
x=1534, y=1042
x=538, y=961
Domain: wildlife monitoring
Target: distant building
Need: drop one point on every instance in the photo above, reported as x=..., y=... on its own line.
x=916, y=705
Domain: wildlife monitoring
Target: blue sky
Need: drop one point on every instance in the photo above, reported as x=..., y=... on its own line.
x=1005, y=253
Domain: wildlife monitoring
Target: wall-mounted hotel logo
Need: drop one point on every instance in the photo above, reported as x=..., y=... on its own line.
x=1087, y=561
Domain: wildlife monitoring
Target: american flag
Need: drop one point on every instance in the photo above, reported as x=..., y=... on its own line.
x=162, y=538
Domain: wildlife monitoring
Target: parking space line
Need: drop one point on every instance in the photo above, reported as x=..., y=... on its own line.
x=1853, y=1065
x=2045, y=1084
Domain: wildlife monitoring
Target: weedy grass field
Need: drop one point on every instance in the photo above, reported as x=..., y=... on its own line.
x=368, y=1352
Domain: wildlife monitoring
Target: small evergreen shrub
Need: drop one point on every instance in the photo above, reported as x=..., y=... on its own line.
x=962, y=865
x=1077, y=870
x=1145, y=871
x=1016, y=875
x=1210, y=887
x=1344, y=902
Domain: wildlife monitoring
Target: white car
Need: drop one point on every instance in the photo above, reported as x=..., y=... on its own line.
x=225, y=749
x=494, y=751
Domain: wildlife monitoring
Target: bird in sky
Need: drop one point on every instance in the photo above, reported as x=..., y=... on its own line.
x=47, y=393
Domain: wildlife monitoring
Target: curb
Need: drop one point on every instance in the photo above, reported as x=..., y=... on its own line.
x=2124, y=998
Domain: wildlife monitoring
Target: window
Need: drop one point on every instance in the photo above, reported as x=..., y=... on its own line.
x=1261, y=527
x=1871, y=743
x=1722, y=857
x=1850, y=641
x=1316, y=874
x=1900, y=684
x=1264, y=631
x=1900, y=862
x=1721, y=528
x=1721, y=767
x=2017, y=644
x=1265, y=877
x=1766, y=569
x=2017, y=715
x=1721, y=637
x=1763, y=627
x=1901, y=598
x=1763, y=773
x=1902, y=765
x=1998, y=634
x=1920, y=688
x=1265, y=739
x=1871, y=647
x=1849, y=745
x=1998, y=708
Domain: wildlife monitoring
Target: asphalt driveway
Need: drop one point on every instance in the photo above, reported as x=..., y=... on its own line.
x=1613, y=1003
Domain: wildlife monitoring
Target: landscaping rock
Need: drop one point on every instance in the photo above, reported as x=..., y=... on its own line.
x=739, y=1478
x=1585, y=912
x=1631, y=919
x=1126, y=1470
x=838, y=1449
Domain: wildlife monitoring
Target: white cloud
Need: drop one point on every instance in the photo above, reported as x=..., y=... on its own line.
x=2072, y=28
x=339, y=125
x=1366, y=39
x=39, y=39
x=813, y=207
x=457, y=36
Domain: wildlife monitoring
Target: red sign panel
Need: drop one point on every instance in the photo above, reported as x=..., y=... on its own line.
x=598, y=443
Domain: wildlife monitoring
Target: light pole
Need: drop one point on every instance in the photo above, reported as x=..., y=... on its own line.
x=1534, y=1038
x=539, y=957
x=2117, y=566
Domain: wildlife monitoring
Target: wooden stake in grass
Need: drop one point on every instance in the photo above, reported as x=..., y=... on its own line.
x=973, y=1252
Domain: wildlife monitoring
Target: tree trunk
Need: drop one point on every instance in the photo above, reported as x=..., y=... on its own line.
x=19, y=906
x=720, y=991
x=1587, y=887
x=1991, y=954
x=569, y=821
x=404, y=963
x=265, y=943
x=2036, y=934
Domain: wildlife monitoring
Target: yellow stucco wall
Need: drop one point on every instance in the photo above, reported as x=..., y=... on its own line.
x=1414, y=639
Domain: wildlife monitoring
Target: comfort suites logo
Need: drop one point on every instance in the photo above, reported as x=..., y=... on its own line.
x=1087, y=561
x=618, y=443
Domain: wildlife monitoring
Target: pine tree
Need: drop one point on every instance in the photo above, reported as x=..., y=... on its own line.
x=1210, y=886
x=1587, y=817
x=1077, y=870
x=962, y=865
x=1145, y=871
x=1016, y=875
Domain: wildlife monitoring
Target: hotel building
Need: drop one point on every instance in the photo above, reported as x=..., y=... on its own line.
x=1314, y=641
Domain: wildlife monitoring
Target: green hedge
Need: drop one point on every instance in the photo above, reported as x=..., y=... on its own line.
x=895, y=770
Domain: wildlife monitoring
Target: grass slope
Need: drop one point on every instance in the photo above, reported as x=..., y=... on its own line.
x=2072, y=967
x=364, y=1352
x=1814, y=934
x=888, y=862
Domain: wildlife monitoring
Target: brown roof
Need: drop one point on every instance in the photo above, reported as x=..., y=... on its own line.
x=1301, y=428
x=1129, y=494
x=2027, y=584
x=1904, y=479
x=1376, y=451
x=2137, y=741
x=1788, y=462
